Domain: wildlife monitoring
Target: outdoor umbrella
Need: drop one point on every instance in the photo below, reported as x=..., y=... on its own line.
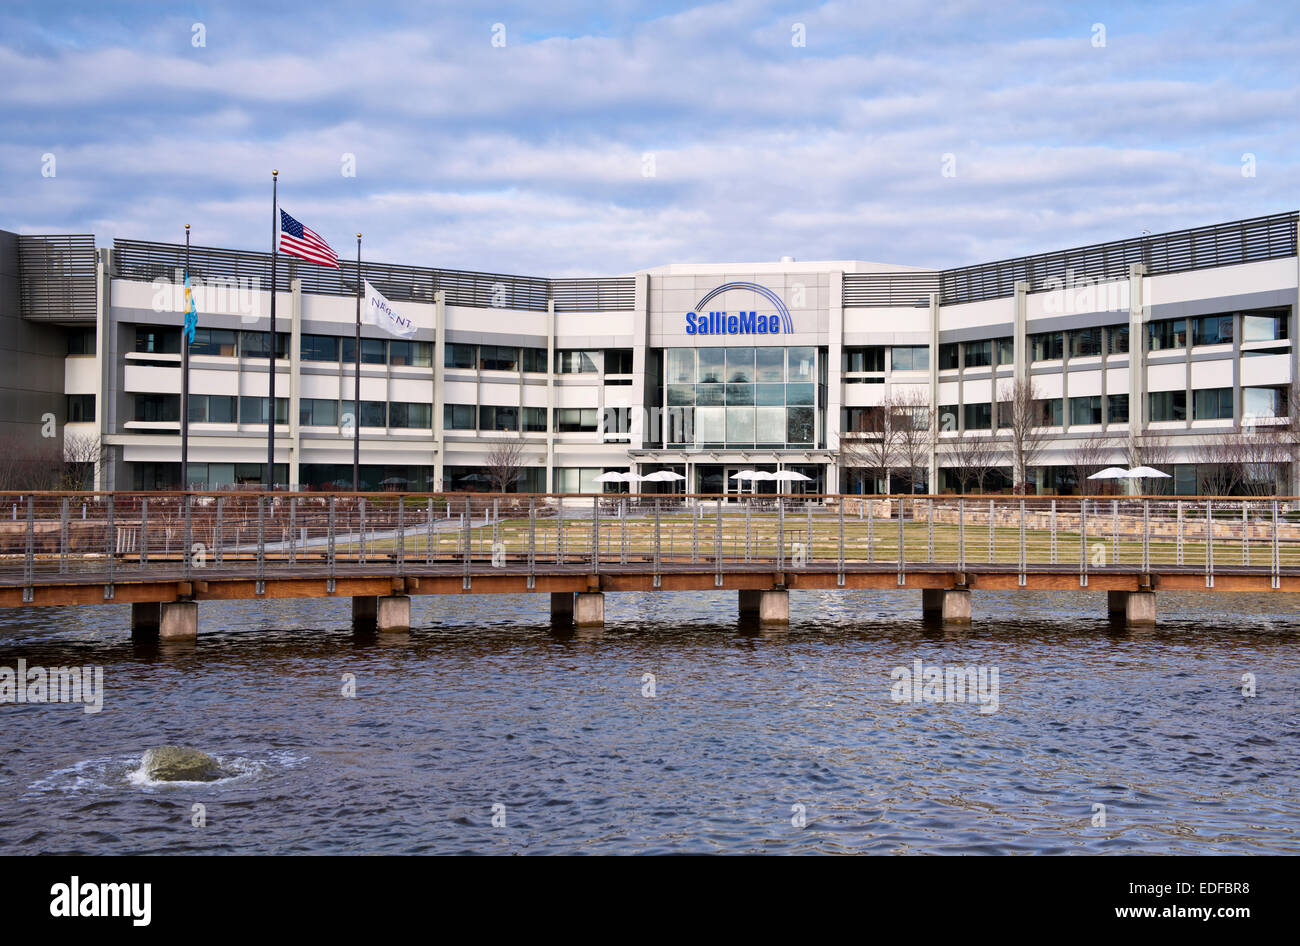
x=611, y=477
x=790, y=476
x=1145, y=472
x=1110, y=473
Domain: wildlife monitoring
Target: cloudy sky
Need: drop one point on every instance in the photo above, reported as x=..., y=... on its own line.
x=572, y=138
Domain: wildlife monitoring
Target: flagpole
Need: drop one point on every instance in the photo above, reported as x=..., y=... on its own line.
x=356, y=386
x=270, y=419
x=185, y=371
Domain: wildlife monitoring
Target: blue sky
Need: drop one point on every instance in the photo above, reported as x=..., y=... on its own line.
x=532, y=157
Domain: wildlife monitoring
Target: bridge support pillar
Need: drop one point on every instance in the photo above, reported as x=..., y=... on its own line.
x=392, y=613
x=146, y=617
x=766, y=607
x=1134, y=607
x=950, y=605
x=589, y=609
x=364, y=612
x=179, y=620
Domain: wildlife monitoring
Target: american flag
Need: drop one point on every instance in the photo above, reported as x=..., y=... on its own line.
x=297, y=240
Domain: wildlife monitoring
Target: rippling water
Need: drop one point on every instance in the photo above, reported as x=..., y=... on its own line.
x=482, y=705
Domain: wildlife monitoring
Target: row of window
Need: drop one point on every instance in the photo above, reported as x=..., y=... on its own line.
x=1049, y=412
x=744, y=365
x=313, y=412
x=872, y=358
x=1267, y=325
x=761, y=427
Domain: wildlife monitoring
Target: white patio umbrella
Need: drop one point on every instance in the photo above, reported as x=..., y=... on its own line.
x=662, y=476
x=1110, y=473
x=790, y=476
x=1145, y=472
x=744, y=475
x=613, y=476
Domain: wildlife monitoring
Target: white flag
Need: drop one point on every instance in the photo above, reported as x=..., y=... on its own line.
x=378, y=312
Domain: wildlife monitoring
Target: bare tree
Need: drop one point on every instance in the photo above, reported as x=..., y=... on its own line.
x=31, y=462
x=505, y=462
x=82, y=455
x=1156, y=451
x=912, y=418
x=871, y=446
x=1021, y=409
x=1086, y=458
x=971, y=458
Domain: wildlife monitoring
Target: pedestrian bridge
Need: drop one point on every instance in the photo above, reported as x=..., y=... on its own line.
x=163, y=553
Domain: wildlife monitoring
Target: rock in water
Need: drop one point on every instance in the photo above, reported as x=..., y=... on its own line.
x=179, y=764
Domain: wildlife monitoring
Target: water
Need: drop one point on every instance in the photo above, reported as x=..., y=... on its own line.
x=484, y=705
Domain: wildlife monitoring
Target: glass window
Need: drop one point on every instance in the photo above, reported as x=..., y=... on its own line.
x=312, y=347
x=1263, y=326
x=318, y=412
x=681, y=425
x=1006, y=351
x=740, y=394
x=740, y=425
x=157, y=341
x=800, y=364
x=81, y=341
x=412, y=416
x=373, y=351
x=1169, y=333
x=1212, y=404
x=498, y=358
x=978, y=416
x=710, y=395
x=212, y=409
x=1117, y=408
x=740, y=365
x=81, y=408
x=681, y=395
x=710, y=365
x=680, y=366
x=535, y=360
x=799, y=394
x=576, y=419
x=1262, y=402
x=458, y=417
x=498, y=418
x=535, y=419
x=1117, y=339
x=710, y=425
x=213, y=341
x=800, y=425
x=252, y=410
x=769, y=394
x=1047, y=346
x=1049, y=412
x=977, y=354
x=1085, y=342
x=253, y=345
x=1168, y=405
x=618, y=361
x=948, y=355
x=860, y=359
x=1212, y=330
x=910, y=358
x=459, y=356
x=577, y=362
x=1085, y=410
x=416, y=354
x=769, y=425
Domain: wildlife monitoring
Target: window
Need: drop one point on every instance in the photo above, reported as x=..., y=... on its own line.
x=859, y=420
x=800, y=363
x=311, y=347
x=157, y=341
x=911, y=358
x=535, y=360
x=317, y=412
x=460, y=356
x=1263, y=326
x=373, y=413
x=740, y=365
x=213, y=408
x=1048, y=412
x=855, y=359
x=498, y=418
x=770, y=363
x=1167, y=405
x=1212, y=330
x=252, y=410
x=710, y=366
x=948, y=354
x=1117, y=339
x=1085, y=410
x=498, y=358
x=1085, y=342
x=1170, y=333
x=977, y=354
x=81, y=408
x=573, y=479
x=1263, y=402
x=458, y=417
x=618, y=361
x=410, y=416
x=576, y=419
x=1117, y=408
x=978, y=416
x=799, y=425
x=1006, y=351
x=679, y=366
x=535, y=419
x=1048, y=346
x=373, y=351
x=948, y=414
x=154, y=408
x=253, y=345
x=81, y=341
x=577, y=362
x=616, y=421
x=1212, y=404
x=416, y=354
x=213, y=341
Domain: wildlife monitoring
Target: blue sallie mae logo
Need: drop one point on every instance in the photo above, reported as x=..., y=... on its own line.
x=740, y=323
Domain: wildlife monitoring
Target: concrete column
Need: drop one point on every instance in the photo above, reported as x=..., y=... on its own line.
x=179, y=620
x=364, y=611
x=1134, y=607
x=562, y=607
x=146, y=617
x=439, y=355
x=392, y=613
x=589, y=609
x=767, y=607
x=950, y=605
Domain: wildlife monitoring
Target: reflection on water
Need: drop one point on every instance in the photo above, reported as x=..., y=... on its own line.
x=483, y=704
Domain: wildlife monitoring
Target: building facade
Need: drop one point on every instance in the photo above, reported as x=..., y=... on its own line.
x=1164, y=349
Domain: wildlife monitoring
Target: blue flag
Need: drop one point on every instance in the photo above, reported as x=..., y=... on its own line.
x=191, y=313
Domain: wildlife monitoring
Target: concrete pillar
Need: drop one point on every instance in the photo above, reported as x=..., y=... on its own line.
x=562, y=607
x=392, y=613
x=589, y=609
x=179, y=621
x=146, y=616
x=1134, y=607
x=364, y=611
x=767, y=607
x=950, y=605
